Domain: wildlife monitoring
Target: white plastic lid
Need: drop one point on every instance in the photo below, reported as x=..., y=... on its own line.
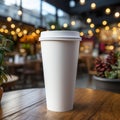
x=60, y=35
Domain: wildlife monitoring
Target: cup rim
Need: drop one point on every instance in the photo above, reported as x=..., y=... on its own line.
x=60, y=35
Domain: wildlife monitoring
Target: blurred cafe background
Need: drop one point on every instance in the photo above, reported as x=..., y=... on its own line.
x=22, y=21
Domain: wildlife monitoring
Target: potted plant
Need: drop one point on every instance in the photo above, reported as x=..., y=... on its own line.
x=108, y=72
x=4, y=48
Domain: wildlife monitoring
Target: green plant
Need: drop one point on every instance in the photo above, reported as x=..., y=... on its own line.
x=4, y=48
x=109, y=67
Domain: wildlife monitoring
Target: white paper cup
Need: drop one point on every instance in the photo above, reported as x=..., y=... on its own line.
x=60, y=51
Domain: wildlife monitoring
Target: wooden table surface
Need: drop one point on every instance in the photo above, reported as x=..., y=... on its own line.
x=89, y=104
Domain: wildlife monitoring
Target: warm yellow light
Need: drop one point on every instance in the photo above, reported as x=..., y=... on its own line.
x=93, y=6
x=20, y=34
x=38, y=31
x=65, y=25
x=12, y=25
x=82, y=2
x=82, y=48
x=12, y=32
x=9, y=19
x=88, y=20
x=1, y=30
x=107, y=11
x=33, y=33
x=25, y=32
x=18, y=30
x=52, y=27
x=118, y=24
x=6, y=31
x=86, y=47
x=97, y=30
x=118, y=37
x=107, y=28
x=73, y=23
x=81, y=34
x=117, y=14
x=92, y=25
x=114, y=28
x=111, y=47
x=19, y=12
x=104, y=22
x=90, y=32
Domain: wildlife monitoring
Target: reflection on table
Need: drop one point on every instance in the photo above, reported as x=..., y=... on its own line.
x=88, y=105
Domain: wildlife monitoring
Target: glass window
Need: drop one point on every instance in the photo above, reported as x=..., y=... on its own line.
x=63, y=17
x=48, y=12
x=47, y=8
x=12, y=2
x=31, y=12
x=33, y=5
x=27, y=4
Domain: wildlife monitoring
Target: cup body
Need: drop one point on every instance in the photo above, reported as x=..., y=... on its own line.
x=60, y=58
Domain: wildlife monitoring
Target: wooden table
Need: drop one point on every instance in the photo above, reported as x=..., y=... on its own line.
x=89, y=104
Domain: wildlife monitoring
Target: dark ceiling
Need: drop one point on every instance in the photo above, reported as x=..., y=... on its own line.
x=84, y=11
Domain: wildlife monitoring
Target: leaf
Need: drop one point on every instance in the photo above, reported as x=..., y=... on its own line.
x=111, y=74
x=5, y=44
x=1, y=80
x=118, y=63
x=118, y=73
x=114, y=67
x=1, y=58
x=4, y=76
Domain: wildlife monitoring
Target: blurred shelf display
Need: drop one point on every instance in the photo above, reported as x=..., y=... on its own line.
x=86, y=45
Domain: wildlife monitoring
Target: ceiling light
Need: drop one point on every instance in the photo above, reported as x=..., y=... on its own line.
x=117, y=14
x=19, y=12
x=33, y=33
x=90, y=32
x=6, y=31
x=93, y=5
x=12, y=25
x=20, y=34
x=73, y=23
x=107, y=11
x=38, y=31
x=104, y=22
x=52, y=27
x=18, y=30
x=65, y=25
x=97, y=30
x=9, y=19
x=82, y=2
x=12, y=32
x=92, y=25
x=1, y=30
x=114, y=28
x=25, y=32
x=118, y=24
x=88, y=20
x=81, y=34
x=107, y=28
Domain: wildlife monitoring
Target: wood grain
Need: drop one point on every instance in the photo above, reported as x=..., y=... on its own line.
x=89, y=104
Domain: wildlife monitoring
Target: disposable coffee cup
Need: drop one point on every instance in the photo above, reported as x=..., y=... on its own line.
x=60, y=51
